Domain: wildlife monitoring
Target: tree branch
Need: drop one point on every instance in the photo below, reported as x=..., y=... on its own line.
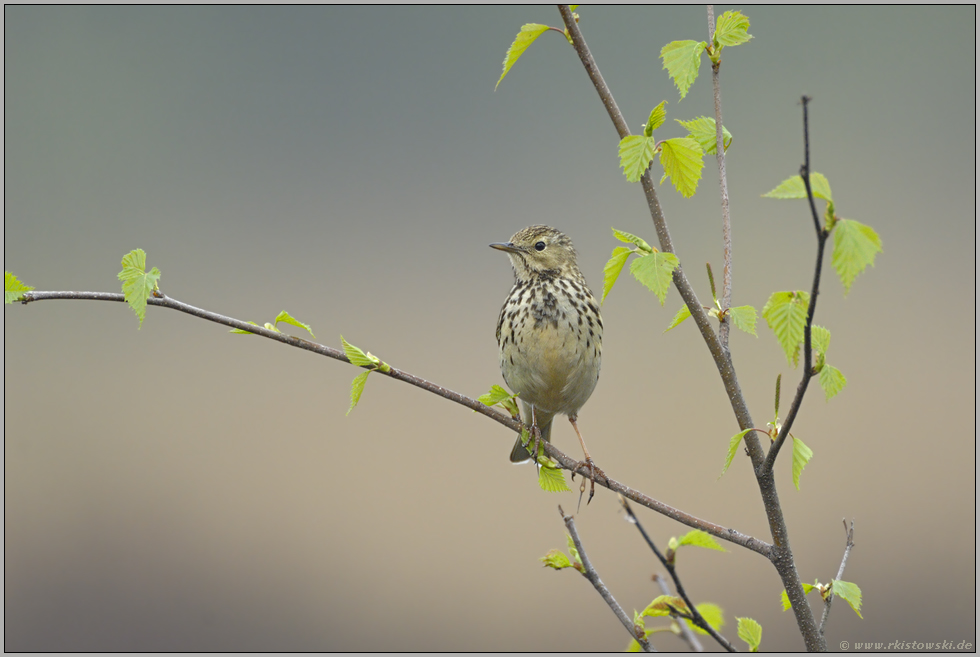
x=591, y=575
x=849, y=533
x=696, y=616
x=726, y=220
x=565, y=461
x=781, y=554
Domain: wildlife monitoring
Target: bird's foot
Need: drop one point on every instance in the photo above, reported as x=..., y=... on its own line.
x=593, y=470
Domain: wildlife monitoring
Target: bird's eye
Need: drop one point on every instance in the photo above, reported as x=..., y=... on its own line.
x=539, y=246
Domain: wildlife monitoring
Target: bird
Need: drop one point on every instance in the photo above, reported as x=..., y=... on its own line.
x=549, y=334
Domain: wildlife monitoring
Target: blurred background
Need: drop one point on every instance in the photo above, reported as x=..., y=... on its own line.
x=180, y=488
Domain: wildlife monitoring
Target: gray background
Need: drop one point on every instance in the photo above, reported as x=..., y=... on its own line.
x=179, y=488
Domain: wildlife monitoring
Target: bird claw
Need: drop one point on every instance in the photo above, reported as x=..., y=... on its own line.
x=593, y=471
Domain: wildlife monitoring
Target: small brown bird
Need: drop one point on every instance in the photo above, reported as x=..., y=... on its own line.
x=549, y=333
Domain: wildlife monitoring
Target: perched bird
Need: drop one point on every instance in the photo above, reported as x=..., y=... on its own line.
x=549, y=333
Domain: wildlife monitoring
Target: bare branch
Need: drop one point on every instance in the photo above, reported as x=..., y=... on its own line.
x=849, y=533
x=591, y=575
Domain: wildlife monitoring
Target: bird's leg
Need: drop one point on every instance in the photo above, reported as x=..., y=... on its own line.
x=535, y=436
x=593, y=469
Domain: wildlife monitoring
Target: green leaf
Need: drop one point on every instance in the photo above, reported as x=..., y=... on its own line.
x=832, y=381
x=612, y=269
x=850, y=592
x=289, y=319
x=356, y=356
x=138, y=284
x=700, y=538
x=801, y=456
x=855, y=247
x=636, y=152
x=702, y=130
x=681, y=315
x=551, y=478
x=657, y=118
x=524, y=38
x=682, y=60
x=682, y=159
x=356, y=388
x=794, y=188
x=743, y=317
x=242, y=331
x=660, y=606
x=655, y=271
x=732, y=448
x=630, y=238
x=496, y=395
x=712, y=613
x=785, y=598
x=556, y=559
x=732, y=29
x=750, y=632
x=785, y=313
x=819, y=339
x=13, y=289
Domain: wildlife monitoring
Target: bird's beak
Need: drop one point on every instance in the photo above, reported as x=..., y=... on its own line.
x=504, y=246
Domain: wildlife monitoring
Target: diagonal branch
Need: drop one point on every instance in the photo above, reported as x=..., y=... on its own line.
x=849, y=533
x=590, y=574
x=565, y=461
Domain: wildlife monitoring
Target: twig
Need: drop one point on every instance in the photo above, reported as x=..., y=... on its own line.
x=726, y=219
x=849, y=533
x=565, y=461
x=695, y=615
x=822, y=236
x=591, y=575
x=780, y=554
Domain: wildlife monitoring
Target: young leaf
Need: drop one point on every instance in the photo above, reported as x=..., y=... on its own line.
x=630, y=238
x=750, y=632
x=138, y=284
x=785, y=313
x=732, y=29
x=356, y=388
x=661, y=606
x=496, y=395
x=681, y=315
x=635, y=155
x=356, y=356
x=743, y=317
x=794, y=188
x=682, y=159
x=700, y=538
x=289, y=319
x=819, y=338
x=556, y=559
x=13, y=289
x=551, y=478
x=832, y=381
x=682, y=60
x=710, y=612
x=702, y=130
x=243, y=331
x=801, y=456
x=785, y=597
x=732, y=448
x=524, y=38
x=657, y=118
x=855, y=247
x=850, y=592
x=655, y=271
x=612, y=269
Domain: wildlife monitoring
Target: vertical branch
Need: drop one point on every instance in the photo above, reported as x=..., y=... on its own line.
x=849, y=533
x=726, y=220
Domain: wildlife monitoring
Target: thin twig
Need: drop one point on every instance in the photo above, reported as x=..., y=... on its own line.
x=849, y=533
x=695, y=615
x=565, y=461
x=726, y=219
x=591, y=575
